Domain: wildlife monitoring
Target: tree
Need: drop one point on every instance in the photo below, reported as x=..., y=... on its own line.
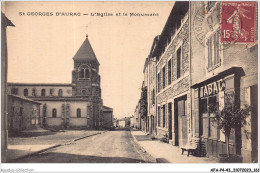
x=143, y=103
x=231, y=117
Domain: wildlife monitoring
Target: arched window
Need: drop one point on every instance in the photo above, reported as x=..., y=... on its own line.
x=84, y=72
x=87, y=73
x=81, y=73
x=78, y=113
x=54, y=113
x=60, y=93
x=25, y=92
x=84, y=92
x=43, y=93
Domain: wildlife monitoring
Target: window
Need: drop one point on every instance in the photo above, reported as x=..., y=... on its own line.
x=164, y=116
x=25, y=92
x=159, y=116
x=51, y=91
x=84, y=72
x=153, y=97
x=78, y=113
x=43, y=93
x=208, y=123
x=54, y=113
x=14, y=91
x=159, y=81
x=60, y=93
x=169, y=72
x=164, y=81
x=213, y=50
x=33, y=92
x=179, y=63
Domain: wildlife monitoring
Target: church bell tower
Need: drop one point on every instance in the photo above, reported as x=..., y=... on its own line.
x=86, y=81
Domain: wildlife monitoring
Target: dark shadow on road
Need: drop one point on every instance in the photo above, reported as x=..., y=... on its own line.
x=54, y=157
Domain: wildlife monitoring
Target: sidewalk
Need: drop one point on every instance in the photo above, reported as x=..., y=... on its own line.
x=19, y=147
x=166, y=153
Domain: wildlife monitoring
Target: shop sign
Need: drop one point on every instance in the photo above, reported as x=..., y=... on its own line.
x=212, y=88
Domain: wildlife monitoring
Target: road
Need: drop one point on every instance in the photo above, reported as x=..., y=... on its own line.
x=108, y=147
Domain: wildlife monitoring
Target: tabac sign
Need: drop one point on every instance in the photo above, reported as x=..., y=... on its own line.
x=212, y=88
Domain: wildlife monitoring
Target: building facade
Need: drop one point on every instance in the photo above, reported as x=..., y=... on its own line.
x=74, y=105
x=5, y=22
x=172, y=54
x=23, y=113
x=221, y=74
x=107, y=117
x=195, y=72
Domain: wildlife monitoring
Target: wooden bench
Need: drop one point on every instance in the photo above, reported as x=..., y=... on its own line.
x=189, y=148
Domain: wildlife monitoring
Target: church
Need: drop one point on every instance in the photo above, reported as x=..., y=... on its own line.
x=70, y=105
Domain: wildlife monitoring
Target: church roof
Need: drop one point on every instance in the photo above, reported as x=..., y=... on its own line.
x=86, y=53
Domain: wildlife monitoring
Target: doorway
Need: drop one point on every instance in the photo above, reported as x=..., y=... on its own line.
x=180, y=121
x=170, y=120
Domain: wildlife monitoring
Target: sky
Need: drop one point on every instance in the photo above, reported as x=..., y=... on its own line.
x=41, y=48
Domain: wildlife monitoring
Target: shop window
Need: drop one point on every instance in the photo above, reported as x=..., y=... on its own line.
x=207, y=108
x=54, y=113
x=78, y=113
x=43, y=93
x=14, y=91
x=25, y=92
x=60, y=93
x=179, y=63
x=169, y=72
x=213, y=50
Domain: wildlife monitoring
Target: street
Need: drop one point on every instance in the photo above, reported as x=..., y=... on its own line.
x=108, y=147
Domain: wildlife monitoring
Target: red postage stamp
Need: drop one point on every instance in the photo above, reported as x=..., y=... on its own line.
x=238, y=22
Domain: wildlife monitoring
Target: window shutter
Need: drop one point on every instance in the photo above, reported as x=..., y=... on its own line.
x=210, y=52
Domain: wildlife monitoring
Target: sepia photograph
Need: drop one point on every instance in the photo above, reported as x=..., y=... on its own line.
x=141, y=82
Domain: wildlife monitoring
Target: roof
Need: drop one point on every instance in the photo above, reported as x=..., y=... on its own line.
x=106, y=108
x=23, y=98
x=5, y=21
x=39, y=84
x=86, y=53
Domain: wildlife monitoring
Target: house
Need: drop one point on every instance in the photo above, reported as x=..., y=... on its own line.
x=5, y=22
x=223, y=72
x=107, y=117
x=23, y=113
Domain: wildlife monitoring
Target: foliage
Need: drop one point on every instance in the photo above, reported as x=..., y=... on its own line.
x=231, y=117
x=143, y=103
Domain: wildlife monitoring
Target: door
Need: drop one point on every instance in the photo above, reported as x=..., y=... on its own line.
x=181, y=119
